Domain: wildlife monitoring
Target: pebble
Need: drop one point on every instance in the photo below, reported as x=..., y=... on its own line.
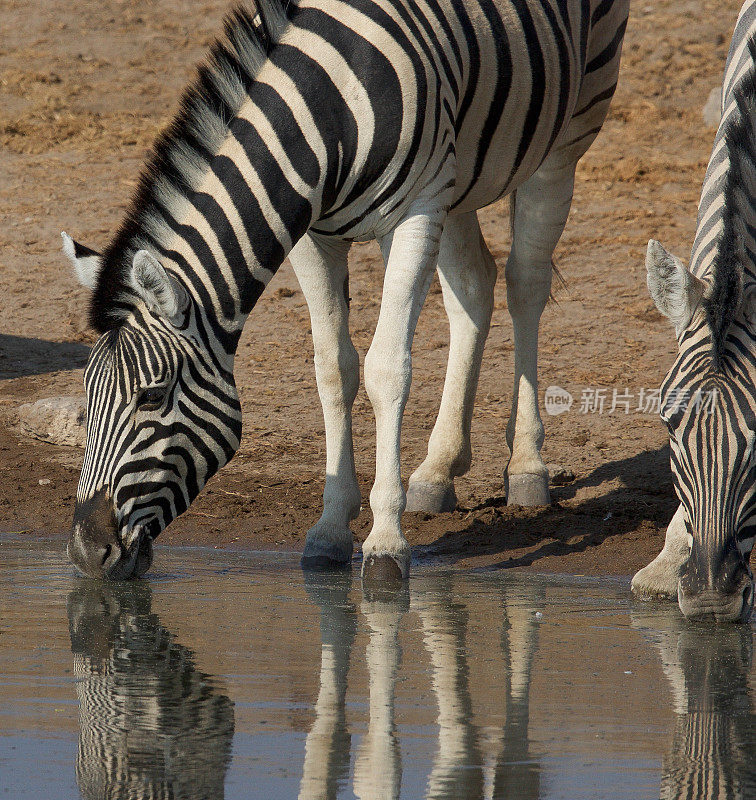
x=559, y=476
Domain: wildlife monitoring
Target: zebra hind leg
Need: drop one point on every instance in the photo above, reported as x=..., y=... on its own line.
x=467, y=272
x=321, y=268
x=538, y=219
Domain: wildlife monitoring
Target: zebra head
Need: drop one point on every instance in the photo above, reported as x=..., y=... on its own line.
x=163, y=416
x=708, y=403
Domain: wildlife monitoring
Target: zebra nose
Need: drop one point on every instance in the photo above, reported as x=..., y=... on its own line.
x=94, y=547
x=726, y=593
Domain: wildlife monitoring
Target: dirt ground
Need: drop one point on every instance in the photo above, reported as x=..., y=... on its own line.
x=84, y=87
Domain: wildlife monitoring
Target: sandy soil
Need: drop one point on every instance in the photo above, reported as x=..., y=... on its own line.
x=84, y=87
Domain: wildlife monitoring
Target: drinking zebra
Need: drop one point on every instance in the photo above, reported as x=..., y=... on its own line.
x=336, y=121
x=708, y=396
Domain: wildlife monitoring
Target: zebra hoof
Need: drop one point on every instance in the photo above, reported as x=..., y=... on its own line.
x=434, y=498
x=527, y=489
x=383, y=570
x=325, y=559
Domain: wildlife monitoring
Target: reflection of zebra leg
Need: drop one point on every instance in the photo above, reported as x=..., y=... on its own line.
x=378, y=768
x=456, y=769
x=327, y=747
x=151, y=724
x=514, y=773
x=714, y=739
x=663, y=630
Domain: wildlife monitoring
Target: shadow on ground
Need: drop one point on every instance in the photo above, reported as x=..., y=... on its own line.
x=644, y=499
x=20, y=356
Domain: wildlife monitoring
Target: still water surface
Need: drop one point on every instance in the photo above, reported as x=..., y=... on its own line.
x=234, y=675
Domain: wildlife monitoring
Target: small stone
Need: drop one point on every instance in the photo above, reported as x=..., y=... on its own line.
x=58, y=420
x=559, y=476
x=712, y=108
x=44, y=481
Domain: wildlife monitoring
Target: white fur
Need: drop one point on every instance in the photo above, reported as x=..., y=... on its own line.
x=321, y=267
x=661, y=576
x=87, y=268
x=410, y=252
x=674, y=289
x=161, y=292
x=539, y=216
x=467, y=273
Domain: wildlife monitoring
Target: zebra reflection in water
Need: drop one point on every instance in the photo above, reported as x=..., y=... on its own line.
x=472, y=761
x=151, y=724
x=713, y=751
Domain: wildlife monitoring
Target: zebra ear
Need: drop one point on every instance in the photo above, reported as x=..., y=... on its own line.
x=161, y=292
x=86, y=262
x=674, y=289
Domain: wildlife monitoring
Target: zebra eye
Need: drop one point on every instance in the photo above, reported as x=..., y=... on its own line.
x=151, y=399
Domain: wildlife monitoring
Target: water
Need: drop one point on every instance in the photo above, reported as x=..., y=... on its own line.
x=233, y=675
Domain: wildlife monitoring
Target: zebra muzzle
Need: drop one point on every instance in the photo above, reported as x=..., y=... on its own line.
x=95, y=547
x=726, y=596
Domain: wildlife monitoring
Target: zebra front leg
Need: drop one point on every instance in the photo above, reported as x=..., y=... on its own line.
x=321, y=268
x=539, y=213
x=659, y=579
x=467, y=272
x=410, y=252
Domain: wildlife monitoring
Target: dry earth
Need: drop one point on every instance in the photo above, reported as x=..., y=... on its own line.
x=84, y=87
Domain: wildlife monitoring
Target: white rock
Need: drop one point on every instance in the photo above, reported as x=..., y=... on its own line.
x=712, y=108
x=44, y=482
x=59, y=420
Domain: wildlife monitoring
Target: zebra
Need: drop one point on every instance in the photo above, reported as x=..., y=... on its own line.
x=150, y=724
x=310, y=127
x=707, y=398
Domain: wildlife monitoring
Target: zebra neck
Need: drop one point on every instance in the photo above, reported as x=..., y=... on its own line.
x=257, y=198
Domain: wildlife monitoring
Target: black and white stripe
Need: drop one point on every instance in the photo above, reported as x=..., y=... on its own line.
x=708, y=401
x=333, y=117
x=712, y=443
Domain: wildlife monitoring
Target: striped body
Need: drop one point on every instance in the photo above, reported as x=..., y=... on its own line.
x=348, y=120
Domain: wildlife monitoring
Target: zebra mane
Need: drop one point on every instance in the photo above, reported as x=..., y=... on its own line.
x=182, y=152
x=723, y=300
